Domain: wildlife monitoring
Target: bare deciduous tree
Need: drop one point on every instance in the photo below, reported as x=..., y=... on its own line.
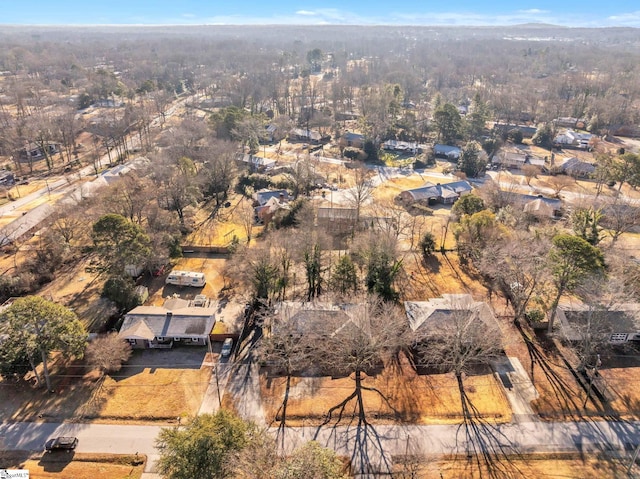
x=107, y=353
x=359, y=191
x=466, y=337
x=518, y=272
x=620, y=216
x=559, y=183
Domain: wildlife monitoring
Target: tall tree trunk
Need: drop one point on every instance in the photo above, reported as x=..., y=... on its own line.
x=45, y=369
x=35, y=371
x=554, y=308
x=361, y=410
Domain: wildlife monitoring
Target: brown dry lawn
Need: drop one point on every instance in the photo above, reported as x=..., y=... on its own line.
x=145, y=390
x=417, y=399
x=442, y=274
x=76, y=466
x=558, y=466
x=392, y=188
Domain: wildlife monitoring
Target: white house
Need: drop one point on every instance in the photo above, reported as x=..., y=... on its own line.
x=451, y=153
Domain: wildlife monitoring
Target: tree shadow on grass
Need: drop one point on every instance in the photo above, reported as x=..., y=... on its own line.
x=282, y=413
x=566, y=394
x=487, y=447
x=362, y=440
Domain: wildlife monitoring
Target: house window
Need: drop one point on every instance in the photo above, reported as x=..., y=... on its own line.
x=132, y=342
x=160, y=338
x=195, y=340
x=618, y=337
x=176, y=339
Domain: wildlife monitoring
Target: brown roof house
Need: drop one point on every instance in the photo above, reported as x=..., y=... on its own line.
x=177, y=321
x=320, y=322
x=440, y=312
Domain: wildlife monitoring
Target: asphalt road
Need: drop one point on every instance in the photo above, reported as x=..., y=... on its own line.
x=585, y=436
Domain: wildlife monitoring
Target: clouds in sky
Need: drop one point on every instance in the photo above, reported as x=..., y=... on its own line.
x=631, y=19
x=323, y=16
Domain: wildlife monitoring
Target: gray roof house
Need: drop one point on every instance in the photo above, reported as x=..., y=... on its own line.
x=255, y=163
x=438, y=193
x=527, y=131
x=451, y=153
x=402, y=146
x=578, y=168
x=573, y=139
x=310, y=136
x=507, y=159
x=177, y=321
x=620, y=324
x=263, y=196
x=351, y=139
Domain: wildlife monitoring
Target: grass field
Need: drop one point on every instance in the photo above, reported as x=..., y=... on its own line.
x=416, y=399
x=76, y=466
x=547, y=466
x=131, y=395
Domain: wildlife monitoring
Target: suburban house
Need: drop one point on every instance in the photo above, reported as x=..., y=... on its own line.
x=255, y=163
x=430, y=194
x=504, y=128
x=350, y=139
x=541, y=207
x=441, y=312
x=578, y=168
x=261, y=197
x=114, y=174
x=402, y=146
x=337, y=221
x=618, y=325
x=7, y=178
x=319, y=321
x=267, y=202
x=33, y=151
x=346, y=115
x=308, y=136
x=509, y=160
x=272, y=134
x=571, y=122
x=450, y=153
x=177, y=321
x=573, y=139
x=300, y=318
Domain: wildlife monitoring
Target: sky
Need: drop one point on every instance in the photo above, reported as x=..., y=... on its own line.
x=572, y=13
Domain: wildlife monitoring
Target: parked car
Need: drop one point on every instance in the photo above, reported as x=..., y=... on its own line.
x=226, y=347
x=62, y=443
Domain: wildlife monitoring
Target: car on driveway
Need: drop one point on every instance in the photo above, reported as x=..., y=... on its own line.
x=226, y=347
x=62, y=443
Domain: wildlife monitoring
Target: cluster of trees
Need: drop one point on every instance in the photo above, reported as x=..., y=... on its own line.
x=223, y=446
x=274, y=268
x=33, y=328
x=532, y=263
x=396, y=83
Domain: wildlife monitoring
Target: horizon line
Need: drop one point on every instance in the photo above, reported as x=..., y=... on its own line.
x=487, y=25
